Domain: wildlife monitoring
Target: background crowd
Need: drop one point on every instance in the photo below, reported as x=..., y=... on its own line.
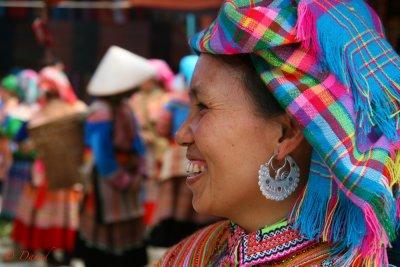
x=102, y=182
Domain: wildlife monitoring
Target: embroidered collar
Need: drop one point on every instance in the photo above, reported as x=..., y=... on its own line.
x=269, y=245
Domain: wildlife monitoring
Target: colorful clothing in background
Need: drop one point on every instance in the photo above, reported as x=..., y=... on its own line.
x=174, y=217
x=112, y=224
x=48, y=219
x=19, y=173
x=174, y=113
x=14, y=127
x=147, y=106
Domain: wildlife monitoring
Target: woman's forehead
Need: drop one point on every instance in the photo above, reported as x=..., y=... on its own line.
x=202, y=76
x=212, y=72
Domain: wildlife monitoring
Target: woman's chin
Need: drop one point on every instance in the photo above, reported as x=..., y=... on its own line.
x=200, y=206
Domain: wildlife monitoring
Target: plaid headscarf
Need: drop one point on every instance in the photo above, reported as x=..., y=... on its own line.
x=329, y=66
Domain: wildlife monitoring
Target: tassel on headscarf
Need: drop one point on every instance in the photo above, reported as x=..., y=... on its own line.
x=336, y=37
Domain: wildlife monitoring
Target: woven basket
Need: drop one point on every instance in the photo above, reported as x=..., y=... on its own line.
x=60, y=145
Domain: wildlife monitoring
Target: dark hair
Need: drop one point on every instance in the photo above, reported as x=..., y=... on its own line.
x=52, y=94
x=260, y=95
x=50, y=61
x=115, y=100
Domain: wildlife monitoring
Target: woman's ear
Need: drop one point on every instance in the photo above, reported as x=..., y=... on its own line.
x=292, y=136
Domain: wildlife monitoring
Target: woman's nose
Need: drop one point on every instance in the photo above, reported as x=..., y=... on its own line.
x=184, y=136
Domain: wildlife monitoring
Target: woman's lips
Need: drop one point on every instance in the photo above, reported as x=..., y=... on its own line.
x=195, y=169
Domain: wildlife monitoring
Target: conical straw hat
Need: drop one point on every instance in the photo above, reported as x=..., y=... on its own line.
x=119, y=71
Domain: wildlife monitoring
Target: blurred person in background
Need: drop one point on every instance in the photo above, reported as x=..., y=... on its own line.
x=112, y=227
x=15, y=138
x=46, y=220
x=174, y=216
x=147, y=105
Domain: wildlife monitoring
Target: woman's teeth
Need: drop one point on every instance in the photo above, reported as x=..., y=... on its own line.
x=194, y=168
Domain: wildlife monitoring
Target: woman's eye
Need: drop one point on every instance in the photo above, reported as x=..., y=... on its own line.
x=201, y=106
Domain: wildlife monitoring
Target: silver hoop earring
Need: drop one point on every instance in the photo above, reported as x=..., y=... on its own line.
x=281, y=185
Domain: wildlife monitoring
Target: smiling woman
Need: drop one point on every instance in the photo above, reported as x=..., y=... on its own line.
x=289, y=139
x=224, y=126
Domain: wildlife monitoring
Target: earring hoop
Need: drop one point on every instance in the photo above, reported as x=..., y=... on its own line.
x=281, y=185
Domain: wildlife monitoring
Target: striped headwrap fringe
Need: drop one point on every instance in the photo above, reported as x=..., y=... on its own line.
x=395, y=185
x=329, y=66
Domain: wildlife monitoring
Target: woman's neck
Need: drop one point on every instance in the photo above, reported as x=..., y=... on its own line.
x=256, y=215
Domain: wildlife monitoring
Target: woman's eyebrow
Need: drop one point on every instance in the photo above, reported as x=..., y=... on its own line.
x=194, y=92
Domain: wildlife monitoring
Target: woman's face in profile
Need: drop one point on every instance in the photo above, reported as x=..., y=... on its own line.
x=226, y=141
